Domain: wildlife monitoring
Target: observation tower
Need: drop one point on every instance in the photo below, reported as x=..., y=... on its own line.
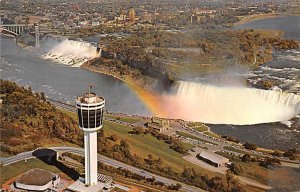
x=90, y=108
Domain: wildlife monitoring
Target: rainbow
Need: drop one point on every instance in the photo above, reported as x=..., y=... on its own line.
x=150, y=99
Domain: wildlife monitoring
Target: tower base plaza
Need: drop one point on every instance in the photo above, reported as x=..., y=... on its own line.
x=104, y=184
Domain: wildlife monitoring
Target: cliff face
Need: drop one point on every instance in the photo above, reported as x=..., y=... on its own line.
x=137, y=72
x=135, y=58
x=158, y=58
x=28, y=120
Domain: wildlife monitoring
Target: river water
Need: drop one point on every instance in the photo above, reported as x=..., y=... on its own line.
x=61, y=82
x=289, y=24
x=284, y=72
x=284, y=69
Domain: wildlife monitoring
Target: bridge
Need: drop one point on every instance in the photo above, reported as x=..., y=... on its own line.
x=16, y=29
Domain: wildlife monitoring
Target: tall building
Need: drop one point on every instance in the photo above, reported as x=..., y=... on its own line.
x=90, y=120
x=131, y=15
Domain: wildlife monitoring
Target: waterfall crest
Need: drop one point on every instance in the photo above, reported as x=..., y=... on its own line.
x=73, y=53
x=230, y=105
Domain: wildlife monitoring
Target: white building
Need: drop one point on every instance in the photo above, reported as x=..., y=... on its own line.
x=95, y=23
x=37, y=180
x=213, y=159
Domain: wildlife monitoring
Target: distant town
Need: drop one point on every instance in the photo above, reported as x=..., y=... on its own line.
x=170, y=95
x=67, y=17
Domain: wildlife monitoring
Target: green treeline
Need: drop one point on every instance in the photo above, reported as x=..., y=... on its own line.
x=160, y=54
x=28, y=120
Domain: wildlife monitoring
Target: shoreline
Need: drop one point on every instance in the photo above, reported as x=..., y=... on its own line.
x=138, y=88
x=250, y=18
x=86, y=67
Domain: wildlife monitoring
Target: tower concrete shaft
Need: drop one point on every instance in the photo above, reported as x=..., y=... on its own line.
x=37, y=36
x=90, y=119
x=90, y=148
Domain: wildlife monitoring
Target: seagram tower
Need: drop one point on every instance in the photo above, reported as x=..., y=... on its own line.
x=90, y=119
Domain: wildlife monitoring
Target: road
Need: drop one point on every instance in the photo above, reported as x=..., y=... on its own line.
x=206, y=141
x=103, y=159
x=176, y=126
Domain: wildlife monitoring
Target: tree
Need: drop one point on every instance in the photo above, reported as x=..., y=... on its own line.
x=269, y=162
x=43, y=97
x=159, y=161
x=137, y=130
x=175, y=187
x=250, y=146
x=230, y=179
x=277, y=153
x=113, y=137
x=246, y=158
x=291, y=153
x=236, y=169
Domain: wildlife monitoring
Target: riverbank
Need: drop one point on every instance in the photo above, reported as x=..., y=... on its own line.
x=149, y=97
x=102, y=70
x=249, y=18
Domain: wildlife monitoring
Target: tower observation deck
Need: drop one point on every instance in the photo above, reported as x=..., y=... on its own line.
x=90, y=108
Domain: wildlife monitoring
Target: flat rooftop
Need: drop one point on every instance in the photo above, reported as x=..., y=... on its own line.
x=213, y=157
x=36, y=177
x=79, y=186
x=90, y=98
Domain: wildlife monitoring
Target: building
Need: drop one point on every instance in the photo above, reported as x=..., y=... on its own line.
x=146, y=16
x=205, y=11
x=90, y=108
x=83, y=23
x=194, y=19
x=131, y=15
x=95, y=23
x=158, y=124
x=37, y=180
x=213, y=159
x=122, y=17
x=104, y=183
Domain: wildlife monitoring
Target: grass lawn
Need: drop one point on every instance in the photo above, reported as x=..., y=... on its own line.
x=184, y=134
x=188, y=145
x=142, y=145
x=57, y=142
x=282, y=178
x=203, y=67
x=230, y=148
x=198, y=126
x=124, y=119
x=3, y=154
x=13, y=170
x=212, y=134
x=251, y=170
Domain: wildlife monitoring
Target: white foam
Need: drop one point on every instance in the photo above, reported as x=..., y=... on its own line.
x=230, y=105
x=72, y=53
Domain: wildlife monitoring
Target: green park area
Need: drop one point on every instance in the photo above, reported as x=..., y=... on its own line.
x=145, y=144
x=184, y=134
x=211, y=134
x=275, y=176
x=126, y=119
x=198, y=126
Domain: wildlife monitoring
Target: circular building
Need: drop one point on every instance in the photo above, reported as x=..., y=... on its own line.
x=37, y=180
